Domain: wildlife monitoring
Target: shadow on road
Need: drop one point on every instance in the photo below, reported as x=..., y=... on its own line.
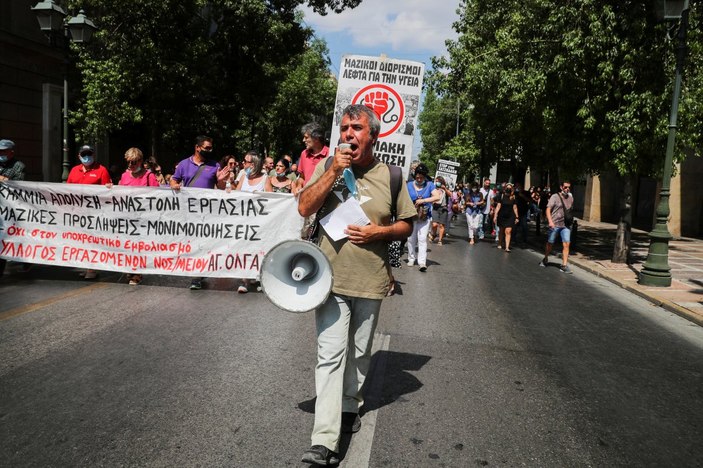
x=396, y=380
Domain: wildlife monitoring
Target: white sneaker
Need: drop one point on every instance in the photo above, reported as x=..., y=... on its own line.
x=411, y=262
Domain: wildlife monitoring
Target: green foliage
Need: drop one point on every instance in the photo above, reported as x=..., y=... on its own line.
x=306, y=94
x=246, y=72
x=580, y=85
x=438, y=125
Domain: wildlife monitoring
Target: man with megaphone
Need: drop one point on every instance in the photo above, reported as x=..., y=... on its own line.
x=359, y=257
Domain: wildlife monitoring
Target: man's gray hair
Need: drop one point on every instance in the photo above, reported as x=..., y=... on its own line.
x=356, y=110
x=315, y=130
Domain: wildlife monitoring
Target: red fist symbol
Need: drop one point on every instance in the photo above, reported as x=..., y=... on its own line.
x=377, y=101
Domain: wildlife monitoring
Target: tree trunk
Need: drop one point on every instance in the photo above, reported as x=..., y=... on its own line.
x=153, y=139
x=621, y=249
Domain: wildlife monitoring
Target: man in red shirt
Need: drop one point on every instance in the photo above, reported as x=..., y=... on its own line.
x=315, y=149
x=89, y=171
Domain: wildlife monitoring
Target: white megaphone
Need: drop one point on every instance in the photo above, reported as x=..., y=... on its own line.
x=296, y=276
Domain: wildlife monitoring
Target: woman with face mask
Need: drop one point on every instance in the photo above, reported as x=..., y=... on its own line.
x=423, y=193
x=474, y=210
x=440, y=211
x=280, y=182
x=506, y=217
x=252, y=179
x=90, y=172
x=137, y=175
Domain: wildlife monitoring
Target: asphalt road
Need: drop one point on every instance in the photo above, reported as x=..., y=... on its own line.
x=484, y=360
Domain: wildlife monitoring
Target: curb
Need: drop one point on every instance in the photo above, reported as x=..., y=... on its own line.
x=667, y=305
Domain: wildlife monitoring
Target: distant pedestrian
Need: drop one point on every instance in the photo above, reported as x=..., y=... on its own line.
x=522, y=200
x=536, y=195
x=506, y=216
x=474, y=203
x=487, y=221
x=440, y=211
x=423, y=194
x=558, y=213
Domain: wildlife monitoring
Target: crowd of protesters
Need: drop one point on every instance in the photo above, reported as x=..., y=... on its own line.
x=496, y=212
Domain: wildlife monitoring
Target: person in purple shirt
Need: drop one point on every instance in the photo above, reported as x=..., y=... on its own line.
x=200, y=171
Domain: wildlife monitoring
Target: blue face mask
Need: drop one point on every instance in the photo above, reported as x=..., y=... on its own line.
x=87, y=160
x=350, y=181
x=247, y=171
x=3, y=158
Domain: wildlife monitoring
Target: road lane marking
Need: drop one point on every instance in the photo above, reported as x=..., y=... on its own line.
x=47, y=302
x=359, y=453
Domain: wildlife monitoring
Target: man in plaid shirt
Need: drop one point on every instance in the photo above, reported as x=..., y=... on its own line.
x=10, y=168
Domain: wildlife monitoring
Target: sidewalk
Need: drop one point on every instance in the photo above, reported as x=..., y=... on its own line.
x=594, y=248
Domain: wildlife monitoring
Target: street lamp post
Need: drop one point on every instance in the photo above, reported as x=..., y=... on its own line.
x=79, y=29
x=656, y=270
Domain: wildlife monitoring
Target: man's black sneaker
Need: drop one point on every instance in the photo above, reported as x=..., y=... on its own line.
x=320, y=455
x=543, y=263
x=566, y=269
x=351, y=422
x=196, y=285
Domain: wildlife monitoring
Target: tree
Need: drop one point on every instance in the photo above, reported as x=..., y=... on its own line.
x=583, y=86
x=306, y=94
x=185, y=67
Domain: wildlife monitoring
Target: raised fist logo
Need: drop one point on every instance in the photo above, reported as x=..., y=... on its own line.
x=378, y=102
x=386, y=104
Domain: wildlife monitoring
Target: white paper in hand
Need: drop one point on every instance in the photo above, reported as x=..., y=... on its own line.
x=347, y=213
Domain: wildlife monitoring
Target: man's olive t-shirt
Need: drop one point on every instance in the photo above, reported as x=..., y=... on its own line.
x=361, y=270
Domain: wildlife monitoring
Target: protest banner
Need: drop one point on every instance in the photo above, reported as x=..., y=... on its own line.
x=392, y=89
x=192, y=232
x=449, y=170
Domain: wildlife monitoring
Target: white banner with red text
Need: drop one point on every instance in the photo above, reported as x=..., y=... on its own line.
x=153, y=230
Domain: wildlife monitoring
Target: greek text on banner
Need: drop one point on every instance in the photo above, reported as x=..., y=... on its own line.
x=194, y=232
